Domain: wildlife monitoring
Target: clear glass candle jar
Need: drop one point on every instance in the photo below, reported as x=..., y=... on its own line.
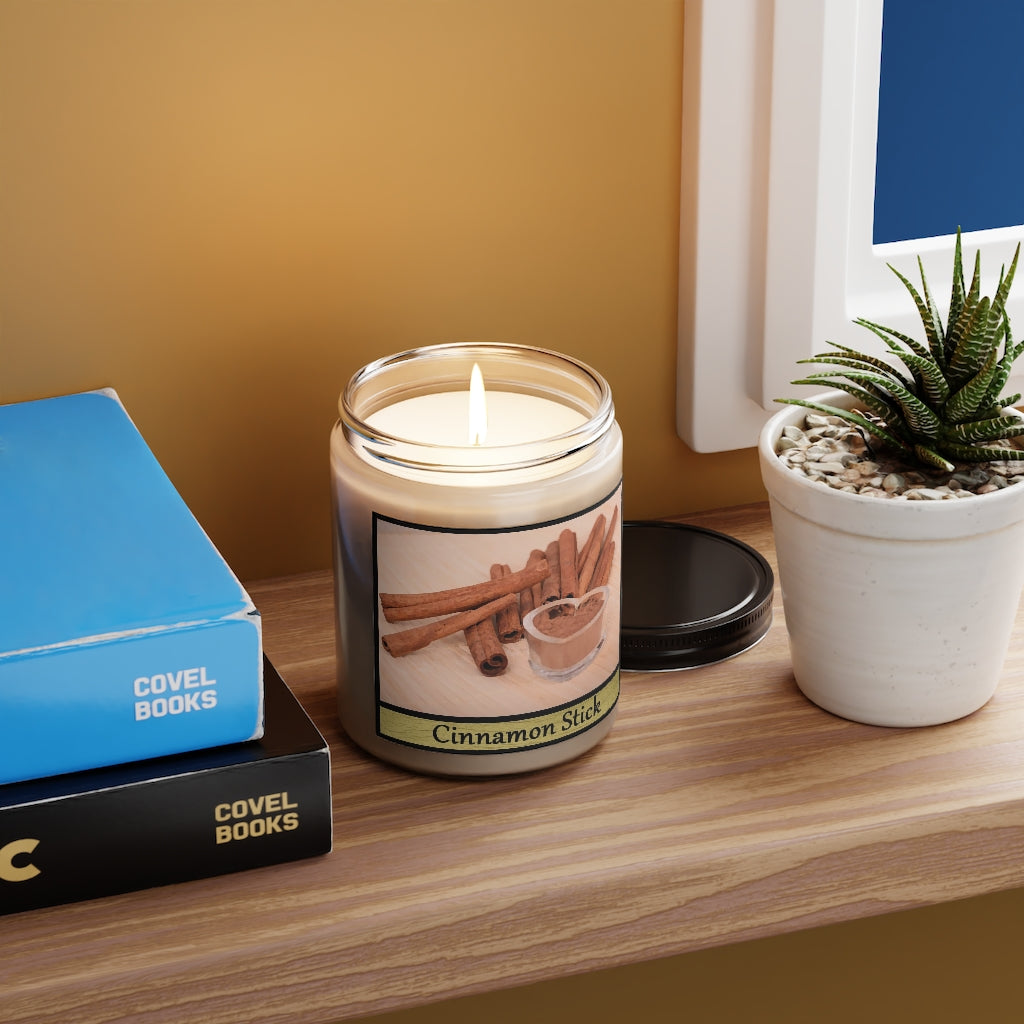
x=477, y=566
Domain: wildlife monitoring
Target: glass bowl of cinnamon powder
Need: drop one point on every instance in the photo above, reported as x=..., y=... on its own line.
x=565, y=635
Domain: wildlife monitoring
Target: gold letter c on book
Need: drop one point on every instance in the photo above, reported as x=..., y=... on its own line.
x=9, y=872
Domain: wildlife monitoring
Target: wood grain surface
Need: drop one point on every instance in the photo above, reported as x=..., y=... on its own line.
x=722, y=807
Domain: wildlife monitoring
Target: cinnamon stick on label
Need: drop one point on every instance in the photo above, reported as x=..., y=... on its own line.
x=568, y=582
x=529, y=597
x=603, y=567
x=536, y=594
x=610, y=535
x=589, y=553
x=603, y=570
x=551, y=586
x=405, y=641
x=509, y=625
x=403, y=607
x=485, y=648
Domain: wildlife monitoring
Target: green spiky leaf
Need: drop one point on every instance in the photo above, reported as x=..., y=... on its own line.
x=956, y=297
x=929, y=317
x=932, y=458
x=935, y=331
x=869, y=399
x=858, y=362
x=974, y=346
x=996, y=428
x=971, y=397
x=982, y=453
x=931, y=380
x=957, y=328
x=850, y=416
x=888, y=334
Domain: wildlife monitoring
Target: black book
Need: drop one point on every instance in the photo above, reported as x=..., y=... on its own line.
x=170, y=819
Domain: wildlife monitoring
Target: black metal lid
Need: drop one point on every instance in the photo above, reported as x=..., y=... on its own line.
x=690, y=596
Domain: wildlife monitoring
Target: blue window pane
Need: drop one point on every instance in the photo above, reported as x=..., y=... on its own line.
x=950, y=119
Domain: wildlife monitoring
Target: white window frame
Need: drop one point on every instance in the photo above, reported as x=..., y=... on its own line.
x=780, y=109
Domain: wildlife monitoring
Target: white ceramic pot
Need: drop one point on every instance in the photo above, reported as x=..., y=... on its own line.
x=899, y=613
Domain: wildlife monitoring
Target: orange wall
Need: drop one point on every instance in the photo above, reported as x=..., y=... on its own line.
x=223, y=208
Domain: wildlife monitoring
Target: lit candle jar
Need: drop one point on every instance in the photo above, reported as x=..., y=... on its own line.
x=477, y=542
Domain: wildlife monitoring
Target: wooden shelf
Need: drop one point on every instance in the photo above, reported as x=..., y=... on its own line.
x=722, y=807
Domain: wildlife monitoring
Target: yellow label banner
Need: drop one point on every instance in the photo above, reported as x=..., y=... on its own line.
x=500, y=735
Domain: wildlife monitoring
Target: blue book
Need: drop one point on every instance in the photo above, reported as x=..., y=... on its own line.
x=124, y=634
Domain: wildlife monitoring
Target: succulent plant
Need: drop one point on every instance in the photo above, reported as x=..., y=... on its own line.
x=944, y=406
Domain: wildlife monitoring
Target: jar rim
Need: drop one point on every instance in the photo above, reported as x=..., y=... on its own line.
x=591, y=396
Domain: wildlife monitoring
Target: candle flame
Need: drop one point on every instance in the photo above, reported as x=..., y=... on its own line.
x=477, y=407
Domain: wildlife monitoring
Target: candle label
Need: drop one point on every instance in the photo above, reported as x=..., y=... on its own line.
x=498, y=640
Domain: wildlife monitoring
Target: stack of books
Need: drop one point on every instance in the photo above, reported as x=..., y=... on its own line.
x=144, y=737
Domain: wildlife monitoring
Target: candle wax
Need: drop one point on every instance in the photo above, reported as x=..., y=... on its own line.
x=443, y=419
